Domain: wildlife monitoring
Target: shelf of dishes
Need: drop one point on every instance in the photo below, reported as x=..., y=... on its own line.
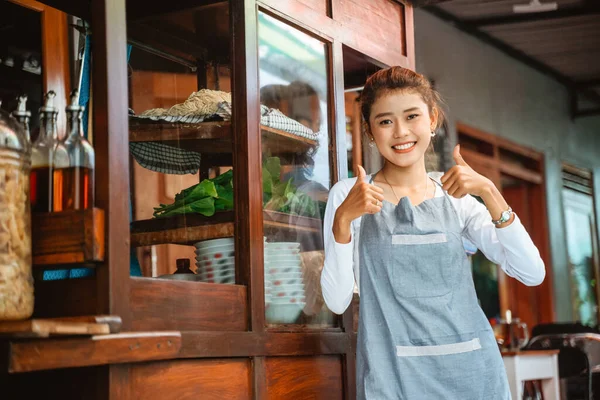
x=291, y=277
x=212, y=137
x=188, y=229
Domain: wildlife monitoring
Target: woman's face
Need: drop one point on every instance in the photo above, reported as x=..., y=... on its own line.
x=401, y=126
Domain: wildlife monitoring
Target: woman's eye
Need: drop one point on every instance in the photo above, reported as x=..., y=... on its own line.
x=412, y=116
x=385, y=122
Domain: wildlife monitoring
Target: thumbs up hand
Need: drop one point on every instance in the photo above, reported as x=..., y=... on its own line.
x=461, y=179
x=363, y=198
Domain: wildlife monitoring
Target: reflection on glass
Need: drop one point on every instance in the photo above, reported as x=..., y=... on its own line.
x=296, y=171
x=580, y=225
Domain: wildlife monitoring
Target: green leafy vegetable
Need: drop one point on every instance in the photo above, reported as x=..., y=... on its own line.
x=212, y=195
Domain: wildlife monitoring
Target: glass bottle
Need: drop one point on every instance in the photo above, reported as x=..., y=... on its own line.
x=23, y=115
x=183, y=266
x=78, y=178
x=48, y=158
x=16, y=282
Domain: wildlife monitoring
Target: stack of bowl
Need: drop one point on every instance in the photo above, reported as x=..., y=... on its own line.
x=284, y=284
x=215, y=260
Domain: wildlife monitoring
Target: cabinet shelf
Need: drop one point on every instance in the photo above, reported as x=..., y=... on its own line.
x=213, y=137
x=190, y=229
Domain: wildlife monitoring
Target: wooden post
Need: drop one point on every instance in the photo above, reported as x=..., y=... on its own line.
x=112, y=153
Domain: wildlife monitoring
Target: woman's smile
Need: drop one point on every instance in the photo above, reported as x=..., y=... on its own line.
x=404, y=147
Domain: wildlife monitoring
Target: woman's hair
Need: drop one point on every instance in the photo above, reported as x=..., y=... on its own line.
x=397, y=78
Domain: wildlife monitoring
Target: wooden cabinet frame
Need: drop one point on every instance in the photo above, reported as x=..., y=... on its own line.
x=215, y=321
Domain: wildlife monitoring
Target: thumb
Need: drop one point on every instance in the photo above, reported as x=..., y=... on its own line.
x=361, y=174
x=458, y=158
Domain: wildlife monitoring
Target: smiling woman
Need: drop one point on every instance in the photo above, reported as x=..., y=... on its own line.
x=398, y=234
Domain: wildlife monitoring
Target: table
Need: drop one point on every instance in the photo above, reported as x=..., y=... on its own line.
x=532, y=365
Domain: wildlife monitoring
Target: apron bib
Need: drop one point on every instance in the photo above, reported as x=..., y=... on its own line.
x=422, y=334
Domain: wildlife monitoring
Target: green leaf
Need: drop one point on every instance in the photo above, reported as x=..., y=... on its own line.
x=225, y=179
x=205, y=206
x=224, y=201
x=273, y=165
x=267, y=181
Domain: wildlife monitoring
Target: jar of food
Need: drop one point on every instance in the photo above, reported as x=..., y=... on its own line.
x=16, y=282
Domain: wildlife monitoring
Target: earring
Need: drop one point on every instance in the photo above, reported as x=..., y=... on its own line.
x=433, y=133
x=372, y=143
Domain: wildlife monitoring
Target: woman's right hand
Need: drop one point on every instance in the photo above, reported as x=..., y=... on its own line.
x=363, y=198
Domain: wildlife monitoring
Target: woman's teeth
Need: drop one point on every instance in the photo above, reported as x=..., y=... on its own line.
x=404, y=146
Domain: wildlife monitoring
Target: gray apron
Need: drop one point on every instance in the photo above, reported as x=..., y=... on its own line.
x=422, y=334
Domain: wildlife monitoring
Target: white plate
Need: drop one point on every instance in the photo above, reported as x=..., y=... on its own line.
x=284, y=275
x=214, y=242
x=210, y=256
x=287, y=281
x=288, y=287
x=283, y=257
x=215, y=262
x=223, y=267
x=283, y=245
x=272, y=270
x=208, y=274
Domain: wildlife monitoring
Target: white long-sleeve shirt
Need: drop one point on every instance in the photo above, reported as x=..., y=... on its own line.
x=510, y=247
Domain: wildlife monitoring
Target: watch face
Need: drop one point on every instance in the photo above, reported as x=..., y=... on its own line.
x=505, y=216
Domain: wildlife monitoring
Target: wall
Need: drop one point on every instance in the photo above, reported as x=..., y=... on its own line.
x=493, y=92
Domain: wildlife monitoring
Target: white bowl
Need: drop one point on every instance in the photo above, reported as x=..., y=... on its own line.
x=288, y=299
x=282, y=257
x=275, y=270
x=220, y=273
x=220, y=270
x=215, y=262
x=283, y=275
x=217, y=255
x=214, y=242
x=289, y=288
x=283, y=313
x=287, y=293
x=283, y=245
x=277, y=252
x=287, y=281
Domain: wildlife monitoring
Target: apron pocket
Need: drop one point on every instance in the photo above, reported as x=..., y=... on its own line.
x=420, y=265
x=448, y=371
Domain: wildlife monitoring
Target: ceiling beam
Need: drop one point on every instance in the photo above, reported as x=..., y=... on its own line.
x=586, y=10
x=500, y=45
x=514, y=53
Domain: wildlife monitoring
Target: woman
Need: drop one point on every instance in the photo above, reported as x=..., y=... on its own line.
x=398, y=234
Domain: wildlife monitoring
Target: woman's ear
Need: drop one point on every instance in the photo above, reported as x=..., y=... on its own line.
x=434, y=118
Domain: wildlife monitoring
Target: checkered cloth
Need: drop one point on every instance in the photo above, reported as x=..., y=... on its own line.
x=166, y=159
x=160, y=157
x=273, y=119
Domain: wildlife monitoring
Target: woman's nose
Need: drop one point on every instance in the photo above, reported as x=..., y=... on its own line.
x=401, y=131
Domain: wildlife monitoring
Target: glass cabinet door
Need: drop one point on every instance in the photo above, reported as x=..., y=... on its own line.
x=293, y=68
x=181, y=144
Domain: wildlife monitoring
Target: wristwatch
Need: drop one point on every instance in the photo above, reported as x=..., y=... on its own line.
x=504, y=217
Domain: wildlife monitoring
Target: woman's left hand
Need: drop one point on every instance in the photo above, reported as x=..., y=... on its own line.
x=462, y=180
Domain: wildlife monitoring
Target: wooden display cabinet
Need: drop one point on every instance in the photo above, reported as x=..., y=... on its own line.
x=178, y=339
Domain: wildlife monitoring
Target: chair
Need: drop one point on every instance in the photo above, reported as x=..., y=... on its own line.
x=579, y=357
